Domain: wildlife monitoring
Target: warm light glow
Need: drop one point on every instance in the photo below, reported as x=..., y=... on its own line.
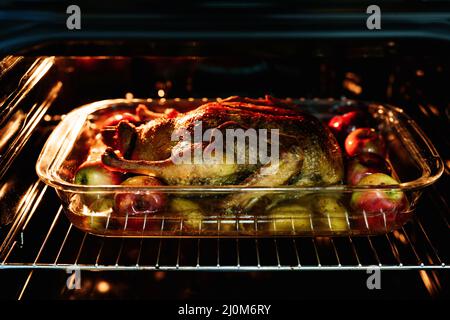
x=336, y=124
x=420, y=73
x=432, y=287
x=159, y=275
x=128, y=96
x=352, y=87
x=424, y=111
x=161, y=93
x=3, y=189
x=400, y=237
x=434, y=110
x=103, y=287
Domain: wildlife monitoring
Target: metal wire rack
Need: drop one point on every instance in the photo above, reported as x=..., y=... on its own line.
x=44, y=239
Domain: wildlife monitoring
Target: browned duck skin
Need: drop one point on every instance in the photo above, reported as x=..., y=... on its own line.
x=148, y=148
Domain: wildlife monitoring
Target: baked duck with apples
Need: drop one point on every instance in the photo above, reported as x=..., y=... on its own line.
x=308, y=154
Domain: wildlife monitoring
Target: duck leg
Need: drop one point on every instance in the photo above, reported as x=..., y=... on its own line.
x=269, y=175
x=175, y=173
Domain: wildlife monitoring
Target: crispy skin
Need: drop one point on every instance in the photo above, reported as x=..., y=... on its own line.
x=308, y=151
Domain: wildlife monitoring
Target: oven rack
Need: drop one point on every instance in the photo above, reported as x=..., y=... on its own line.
x=43, y=238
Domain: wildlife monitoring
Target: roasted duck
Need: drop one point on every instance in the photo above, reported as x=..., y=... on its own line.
x=308, y=152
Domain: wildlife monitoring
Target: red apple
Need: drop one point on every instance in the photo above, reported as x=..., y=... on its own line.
x=364, y=164
x=116, y=118
x=140, y=202
x=341, y=125
x=379, y=207
x=94, y=173
x=364, y=140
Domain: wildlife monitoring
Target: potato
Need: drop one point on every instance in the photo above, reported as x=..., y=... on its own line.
x=189, y=211
x=333, y=213
x=290, y=217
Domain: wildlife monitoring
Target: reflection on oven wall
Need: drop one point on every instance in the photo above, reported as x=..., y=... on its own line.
x=378, y=72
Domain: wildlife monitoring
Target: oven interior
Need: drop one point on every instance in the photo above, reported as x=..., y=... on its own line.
x=38, y=243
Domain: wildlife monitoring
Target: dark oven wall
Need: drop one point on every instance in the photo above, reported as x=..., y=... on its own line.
x=399, y=72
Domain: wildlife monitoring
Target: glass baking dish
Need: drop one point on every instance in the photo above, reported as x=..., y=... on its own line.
x=193, y=211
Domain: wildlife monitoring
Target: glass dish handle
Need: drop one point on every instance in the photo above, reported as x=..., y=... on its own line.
x=427, y=150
